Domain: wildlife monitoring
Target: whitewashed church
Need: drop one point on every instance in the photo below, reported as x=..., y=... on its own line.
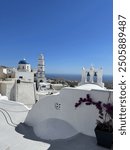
x=24, y=71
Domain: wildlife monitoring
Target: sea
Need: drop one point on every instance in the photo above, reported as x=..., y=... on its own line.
x=76, y=77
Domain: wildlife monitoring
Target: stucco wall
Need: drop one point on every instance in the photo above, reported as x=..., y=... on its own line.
x=2, y=88
x=62, y=106
x=3, y=73
x=27, y=76
x=8, y=88
x=25, y=92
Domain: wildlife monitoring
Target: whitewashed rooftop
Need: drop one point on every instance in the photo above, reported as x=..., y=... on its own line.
x=10, y=139
x=90, y=87
x=15, y=135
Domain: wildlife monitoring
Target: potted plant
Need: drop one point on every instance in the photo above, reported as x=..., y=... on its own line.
x=104, y=127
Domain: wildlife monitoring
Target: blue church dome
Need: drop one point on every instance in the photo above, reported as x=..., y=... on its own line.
x=23, y=62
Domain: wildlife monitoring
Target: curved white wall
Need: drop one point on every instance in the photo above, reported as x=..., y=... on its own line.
x=62, y=106
x=53, y=128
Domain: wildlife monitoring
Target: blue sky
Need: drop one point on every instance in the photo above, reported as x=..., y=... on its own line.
x=70, y=34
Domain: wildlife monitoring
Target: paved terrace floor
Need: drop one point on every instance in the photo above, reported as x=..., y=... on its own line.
x=15, y=135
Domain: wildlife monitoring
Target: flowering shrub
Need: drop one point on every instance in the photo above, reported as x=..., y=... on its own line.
x=105, y=113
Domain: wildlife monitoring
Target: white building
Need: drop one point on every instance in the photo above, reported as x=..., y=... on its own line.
x=3, y=72
x=18, y=84
x=7, y=73
x=24, y=71
x=20, y=91
x=23, y=66
x=55, y=116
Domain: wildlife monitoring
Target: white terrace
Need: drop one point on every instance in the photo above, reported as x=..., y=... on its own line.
x=15, y=135
x=54, y=123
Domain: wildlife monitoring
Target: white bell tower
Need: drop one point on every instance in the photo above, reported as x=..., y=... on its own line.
x=41, y=69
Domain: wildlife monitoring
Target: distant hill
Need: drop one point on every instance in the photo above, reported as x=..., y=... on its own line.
x=72, y=80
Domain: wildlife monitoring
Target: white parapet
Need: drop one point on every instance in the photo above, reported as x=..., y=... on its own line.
x=91, y=72
x=58, y=113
